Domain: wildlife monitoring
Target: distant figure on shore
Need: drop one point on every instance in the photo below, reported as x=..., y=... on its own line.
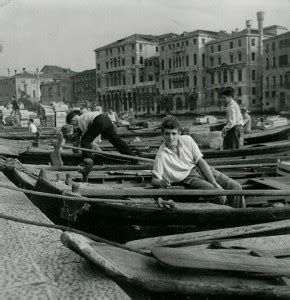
x=247, y=120
x=231, y=133
x=15, y=109
x=32, y=127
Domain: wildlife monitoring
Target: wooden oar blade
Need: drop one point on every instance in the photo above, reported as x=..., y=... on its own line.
x=208, y=260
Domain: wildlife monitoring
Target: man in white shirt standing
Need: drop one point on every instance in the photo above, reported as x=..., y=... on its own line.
x=91, y=124
x=233, y=128
x=179, y=161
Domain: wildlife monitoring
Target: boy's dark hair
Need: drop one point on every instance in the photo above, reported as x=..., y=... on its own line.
x=170, y=122
x=31, y=120
x=227, y=92
x=71, y=114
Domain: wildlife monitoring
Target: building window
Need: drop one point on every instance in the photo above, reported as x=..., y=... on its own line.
x=194, y=80
x=211, y=49
x=219, y=60
x=267, y=82
x=253, y=42
x=203, y=81
x=253, y=90
x=107, y=64
x=141, y=60
x=267, y=94
x=281, y=80
x=273, y=46
x=162, y=48
x=187, y=60
x=133, y=79
x=169, y=63
x=162, y=64
x=225, y=75
x=240, y=77
x=123, y=61
x=140, y=47
x=194, y=41
x=123, y=49
x=240, y=56
x=231, y=76
x=186, y=43
x=203, y=59
x=211, y=61
x=253, y=56
x=99, y=67
x=162, y=84
x=203, y=41
x=212, y=78
x=240, y=43
x=169, y=81
x=274, y=62
x=119, y=49
x=194, y=59
x=141, y=78
x=219, y=77
x=156, y=49
x=283, y=60
x=133, y=60
x=124, y=80
x=273, y=94
x=219, y=47
x=239, y=91
x=253, y=74
x=133, y=46
x=231, y=58
x=274, y=81
x=231, y=45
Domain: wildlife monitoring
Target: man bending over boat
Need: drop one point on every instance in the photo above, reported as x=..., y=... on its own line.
x=92, y=124
x=179, y=161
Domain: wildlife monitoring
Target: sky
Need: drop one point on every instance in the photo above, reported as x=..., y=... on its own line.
x=65, y=33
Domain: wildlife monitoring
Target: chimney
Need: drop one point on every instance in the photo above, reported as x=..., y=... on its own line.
x=260, y=18
x=248, y=25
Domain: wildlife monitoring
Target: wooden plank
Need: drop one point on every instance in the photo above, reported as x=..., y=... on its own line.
x=215, y=260
x=202, y=236
x=280, y=183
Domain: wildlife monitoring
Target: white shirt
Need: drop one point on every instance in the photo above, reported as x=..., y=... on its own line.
x=234, y=116
x=86, y=119
x=32, y=128
x=176, y=168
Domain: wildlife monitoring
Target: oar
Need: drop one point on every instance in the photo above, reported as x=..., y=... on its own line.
x=55, y=156
x=117, y=155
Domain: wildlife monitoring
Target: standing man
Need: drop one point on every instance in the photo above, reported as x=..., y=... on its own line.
x=91, y=124
x=233, y=128
x=179, y=161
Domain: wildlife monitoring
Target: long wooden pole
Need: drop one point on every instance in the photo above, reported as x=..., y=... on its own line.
x=117, y=155
x=195, y=237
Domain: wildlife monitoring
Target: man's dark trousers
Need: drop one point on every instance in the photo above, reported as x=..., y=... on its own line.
x=103, y=125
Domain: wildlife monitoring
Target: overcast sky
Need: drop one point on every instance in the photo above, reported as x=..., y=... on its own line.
x=65, y=32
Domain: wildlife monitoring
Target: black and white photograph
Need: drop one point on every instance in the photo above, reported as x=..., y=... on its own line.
x=144, y=149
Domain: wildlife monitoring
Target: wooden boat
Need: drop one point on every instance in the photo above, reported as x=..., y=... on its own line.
x=136, y=205
x=41, y=155
x=267, y=135
x=143, y=271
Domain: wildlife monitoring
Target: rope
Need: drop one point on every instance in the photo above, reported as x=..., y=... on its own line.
x=65, y=228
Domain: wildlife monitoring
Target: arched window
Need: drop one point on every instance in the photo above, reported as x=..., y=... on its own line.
x=163, y=84
x=169, y=63
x=187, y=60
x=162, y=64
x=194, y=59
x=179, y=103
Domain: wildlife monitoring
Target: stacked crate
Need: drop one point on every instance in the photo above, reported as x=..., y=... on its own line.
x=47, y=118
x=24, y=117
x=60, y=114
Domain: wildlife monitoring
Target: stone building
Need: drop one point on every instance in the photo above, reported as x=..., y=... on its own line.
x=84, y=87
x=57, y=90
x=277, y=72
x=237, y=61
x=121, y=71
x=183, y=70
x=25, y=86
